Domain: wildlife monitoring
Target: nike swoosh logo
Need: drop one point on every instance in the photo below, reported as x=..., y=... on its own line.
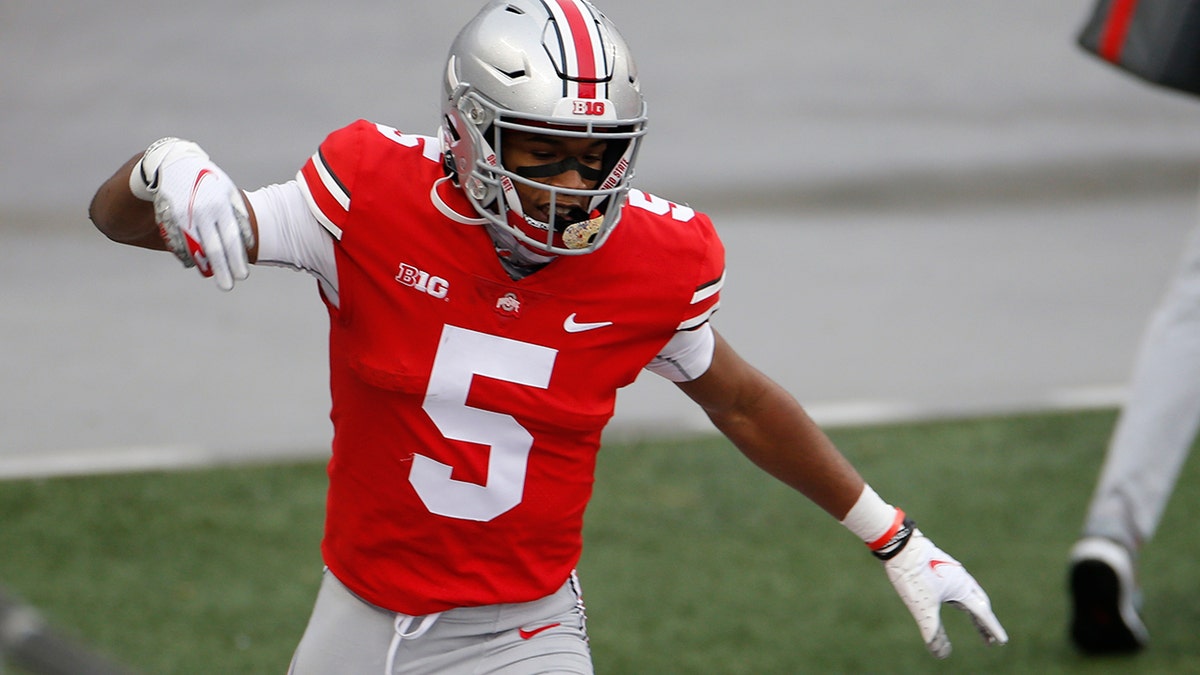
x=195, y=248
x=573, y=326
x=935, y=564
x=526, y=634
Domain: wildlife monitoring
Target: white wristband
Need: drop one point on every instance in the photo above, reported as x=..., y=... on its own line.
x=143, y=180
x=872, y=519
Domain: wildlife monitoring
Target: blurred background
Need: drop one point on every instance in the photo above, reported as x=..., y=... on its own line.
x=932, y=208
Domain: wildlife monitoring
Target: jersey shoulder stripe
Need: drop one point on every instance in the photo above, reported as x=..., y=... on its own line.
x=705, y=301
x=708, y=289
x=327, y=197
x=328, y=177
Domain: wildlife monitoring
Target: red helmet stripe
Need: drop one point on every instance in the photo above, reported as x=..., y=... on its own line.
x=580, y=39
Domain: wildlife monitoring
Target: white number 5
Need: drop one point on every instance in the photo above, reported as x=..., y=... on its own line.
x=462, y=354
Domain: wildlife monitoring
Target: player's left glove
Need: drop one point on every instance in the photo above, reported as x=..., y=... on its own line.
x=200, y=211
x=925, y=577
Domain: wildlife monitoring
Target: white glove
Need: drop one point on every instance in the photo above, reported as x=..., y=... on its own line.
x=925, y=577
x=200, y=212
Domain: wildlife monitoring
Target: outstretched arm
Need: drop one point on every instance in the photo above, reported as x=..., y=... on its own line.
x=770, y=427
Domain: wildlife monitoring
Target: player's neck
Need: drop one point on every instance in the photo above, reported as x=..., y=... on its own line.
x=518, y=260
x=518, y=271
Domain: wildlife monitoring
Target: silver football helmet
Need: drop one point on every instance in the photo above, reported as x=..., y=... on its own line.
x=554, y=67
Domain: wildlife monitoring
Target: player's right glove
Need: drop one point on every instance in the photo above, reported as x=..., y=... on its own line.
x=199, y=210
x=925, y=577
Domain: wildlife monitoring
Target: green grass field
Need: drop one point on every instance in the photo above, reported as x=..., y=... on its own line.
x=695, y=562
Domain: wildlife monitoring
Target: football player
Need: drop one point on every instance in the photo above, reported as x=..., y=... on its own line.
x=1158, y=43
x=489, y=290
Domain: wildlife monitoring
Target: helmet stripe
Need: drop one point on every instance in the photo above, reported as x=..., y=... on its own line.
x=582, y=45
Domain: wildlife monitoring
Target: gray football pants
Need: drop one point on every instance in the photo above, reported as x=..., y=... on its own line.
x=1158, y=422
x=348, y=636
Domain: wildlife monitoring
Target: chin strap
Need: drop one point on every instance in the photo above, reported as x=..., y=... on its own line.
x=444, y=208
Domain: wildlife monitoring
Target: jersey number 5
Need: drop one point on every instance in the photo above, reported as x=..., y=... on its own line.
x=462, y=354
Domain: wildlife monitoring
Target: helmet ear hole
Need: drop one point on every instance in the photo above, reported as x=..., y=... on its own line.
x=451, y=129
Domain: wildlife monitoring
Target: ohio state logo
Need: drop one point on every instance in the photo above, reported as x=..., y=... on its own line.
x=508, y=304
x=589, y=108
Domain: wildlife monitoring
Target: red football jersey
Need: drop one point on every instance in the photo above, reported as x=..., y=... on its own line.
x=468, y=407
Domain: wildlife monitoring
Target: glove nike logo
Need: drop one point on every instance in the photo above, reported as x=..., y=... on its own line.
x=195, y=248
x=935, y=564
x=526, y=634
x=151, y=185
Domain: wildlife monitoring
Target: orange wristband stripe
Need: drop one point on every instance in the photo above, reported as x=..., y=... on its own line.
x=887, y=536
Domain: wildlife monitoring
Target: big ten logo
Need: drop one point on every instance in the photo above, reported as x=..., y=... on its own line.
x=589, y=108
x=425, y=282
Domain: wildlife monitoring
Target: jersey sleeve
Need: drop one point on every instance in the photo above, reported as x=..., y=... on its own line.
x=289, y=235
x=689, y=353
x=327, y=178
x=686, y=356
x=710, y=278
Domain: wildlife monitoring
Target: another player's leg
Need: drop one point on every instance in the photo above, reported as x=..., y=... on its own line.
x=1150, y=443
x=1105, y=599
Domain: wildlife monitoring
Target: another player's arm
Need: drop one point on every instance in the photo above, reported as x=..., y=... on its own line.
x=127, y=219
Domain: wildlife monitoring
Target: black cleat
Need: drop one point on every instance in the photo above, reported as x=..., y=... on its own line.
x=1104, y=599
